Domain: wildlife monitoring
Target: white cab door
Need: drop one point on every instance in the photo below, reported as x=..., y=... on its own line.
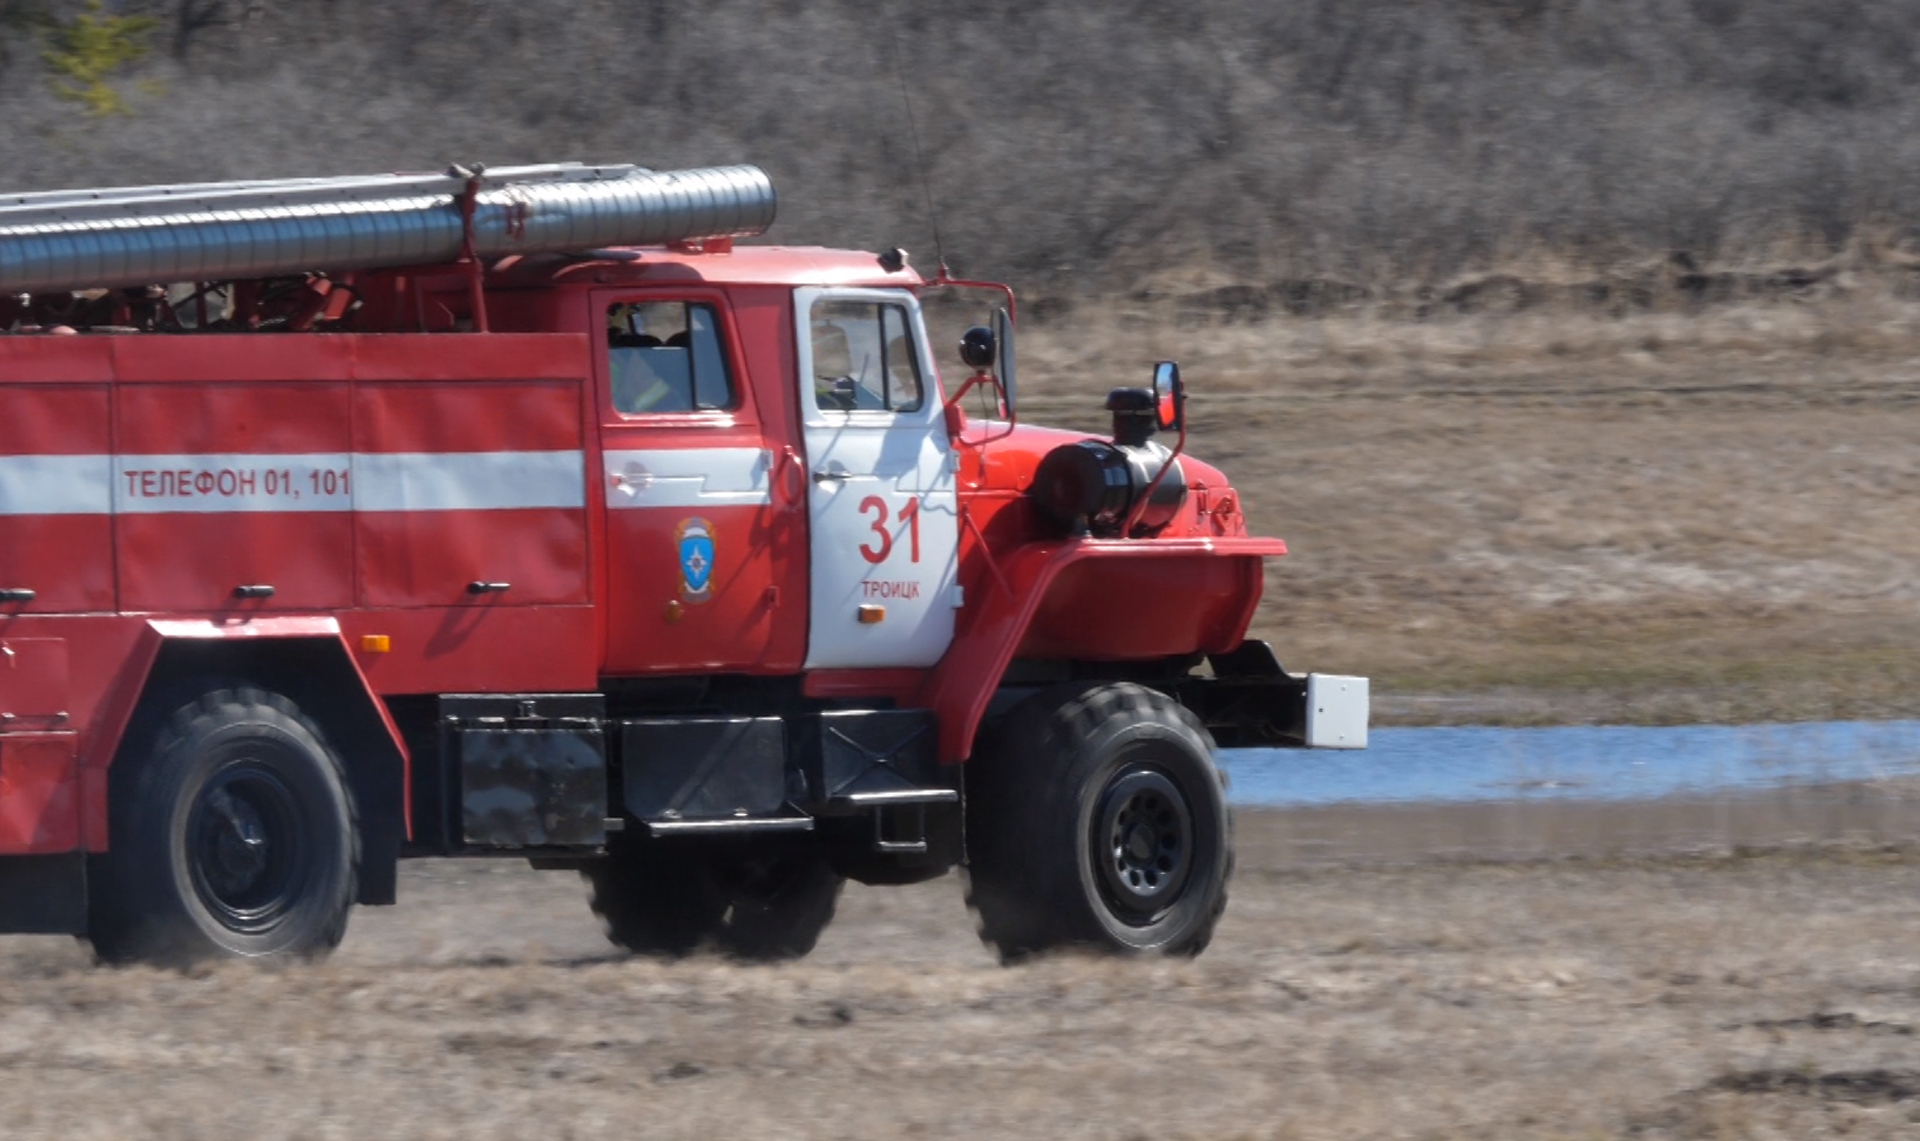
x=885, y=519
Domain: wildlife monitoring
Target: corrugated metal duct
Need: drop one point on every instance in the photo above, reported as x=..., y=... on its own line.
x=146, y=235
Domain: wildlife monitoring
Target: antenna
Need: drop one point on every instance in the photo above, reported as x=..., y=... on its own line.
x=919, y=159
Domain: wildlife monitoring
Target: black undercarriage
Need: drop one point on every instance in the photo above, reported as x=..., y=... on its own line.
x=750, y=763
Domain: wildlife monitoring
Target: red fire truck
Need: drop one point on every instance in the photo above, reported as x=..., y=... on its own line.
x=522, y=513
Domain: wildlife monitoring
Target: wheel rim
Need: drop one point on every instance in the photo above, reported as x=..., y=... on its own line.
x=1142, y=843
x=245, y=846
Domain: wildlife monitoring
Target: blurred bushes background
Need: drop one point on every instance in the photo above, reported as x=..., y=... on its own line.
x=1312, y=147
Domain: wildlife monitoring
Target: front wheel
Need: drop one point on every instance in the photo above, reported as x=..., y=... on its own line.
x=1095, y=818
x=232, y=834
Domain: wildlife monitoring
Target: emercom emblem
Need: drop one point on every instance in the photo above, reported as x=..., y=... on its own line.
x=694, y=540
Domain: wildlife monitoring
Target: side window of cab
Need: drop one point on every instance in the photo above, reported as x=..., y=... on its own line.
x=863, y=357
x=665, y=357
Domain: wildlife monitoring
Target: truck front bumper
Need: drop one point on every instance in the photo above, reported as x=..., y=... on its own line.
x=1251, y=701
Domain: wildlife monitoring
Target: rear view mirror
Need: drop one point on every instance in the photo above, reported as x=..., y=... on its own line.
x=1169, y=396
x=1003, y=333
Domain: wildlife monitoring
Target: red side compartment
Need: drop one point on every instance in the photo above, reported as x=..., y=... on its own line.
x=56, y=535
x=39, y=796
x=470, y=482
x=223, y=486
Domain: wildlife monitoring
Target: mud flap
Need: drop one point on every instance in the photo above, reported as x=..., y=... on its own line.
x=43, y=895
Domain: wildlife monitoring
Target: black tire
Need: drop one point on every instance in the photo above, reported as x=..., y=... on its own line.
x=669, y=901
x=885, y=872
x=231, y=834
x=1095, y=819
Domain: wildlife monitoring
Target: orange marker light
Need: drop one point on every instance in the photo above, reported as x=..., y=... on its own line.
x=375, y=643
x=870, y=615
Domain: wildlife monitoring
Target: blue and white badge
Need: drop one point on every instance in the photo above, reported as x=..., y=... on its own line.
x=694, y=540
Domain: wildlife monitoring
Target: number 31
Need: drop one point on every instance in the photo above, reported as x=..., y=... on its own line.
x=910, y=512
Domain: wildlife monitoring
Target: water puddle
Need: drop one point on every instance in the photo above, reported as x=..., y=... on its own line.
x=1574, y=763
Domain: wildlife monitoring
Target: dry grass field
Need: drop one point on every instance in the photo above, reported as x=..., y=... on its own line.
x=1727, y=994
x=1556, y=512
x=1573, y=347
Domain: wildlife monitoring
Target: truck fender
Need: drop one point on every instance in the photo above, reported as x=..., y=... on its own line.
x=307, y=660
x=964, y=682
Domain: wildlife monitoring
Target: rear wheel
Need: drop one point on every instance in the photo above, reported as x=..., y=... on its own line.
x=673, y=901
x=1095, y=818
x=233, y=834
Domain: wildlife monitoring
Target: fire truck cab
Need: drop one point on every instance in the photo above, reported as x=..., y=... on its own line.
x=664, y=559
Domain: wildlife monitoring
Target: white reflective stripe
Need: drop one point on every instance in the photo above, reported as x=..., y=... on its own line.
x=468, y=481
x=55, y=485
x=330, y=481
x=689, y=477
x=217, y=484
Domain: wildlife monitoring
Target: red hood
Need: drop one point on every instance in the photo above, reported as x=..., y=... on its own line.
x=1011, y=457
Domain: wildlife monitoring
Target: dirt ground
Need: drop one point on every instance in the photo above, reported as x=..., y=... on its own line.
x=1566, y=515
x=1729, y=993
